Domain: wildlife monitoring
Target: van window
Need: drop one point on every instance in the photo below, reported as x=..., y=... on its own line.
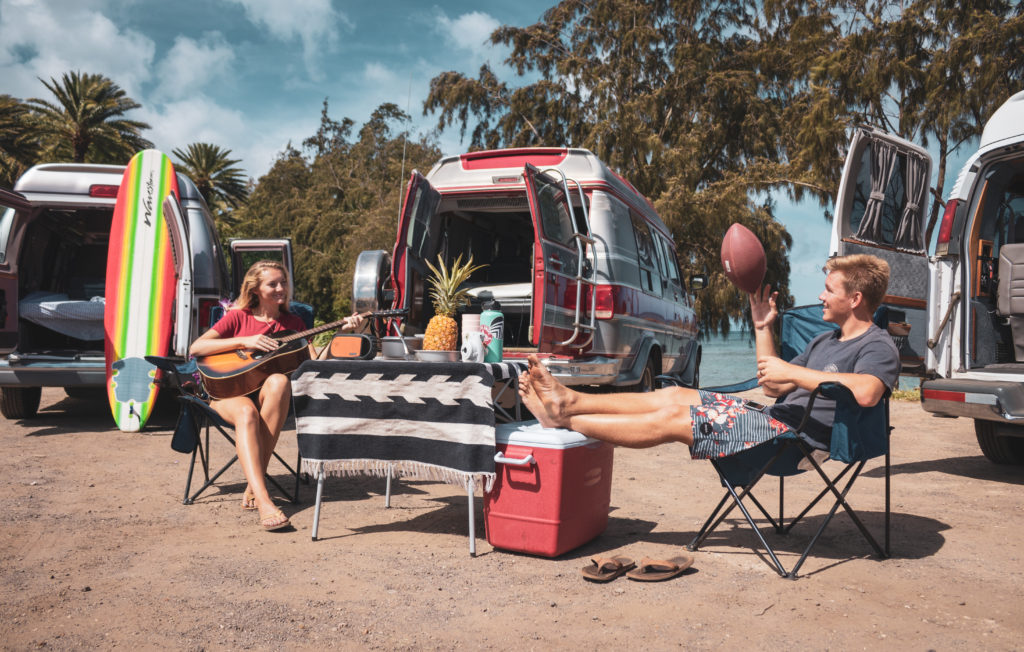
x=647, y=257
x=5, y=232
x=556, y=223
x=669, y=264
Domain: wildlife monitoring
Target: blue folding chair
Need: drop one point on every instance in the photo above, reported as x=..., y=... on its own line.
x=858, y=435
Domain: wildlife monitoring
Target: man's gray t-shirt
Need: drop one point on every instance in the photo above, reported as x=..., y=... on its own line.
x=872, y=352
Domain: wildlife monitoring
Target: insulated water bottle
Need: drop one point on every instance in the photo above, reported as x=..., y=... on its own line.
x=492, y=325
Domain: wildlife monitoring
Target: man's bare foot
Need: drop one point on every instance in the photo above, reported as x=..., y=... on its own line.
x=533, y=402
x=556, y=397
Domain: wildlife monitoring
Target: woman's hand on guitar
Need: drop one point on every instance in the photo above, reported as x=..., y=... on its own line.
x=353, y=322
x=260, y=342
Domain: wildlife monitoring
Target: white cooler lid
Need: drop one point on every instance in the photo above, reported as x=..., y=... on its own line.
x=531, y=433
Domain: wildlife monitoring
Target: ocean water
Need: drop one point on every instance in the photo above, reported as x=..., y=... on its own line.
x=727, y=360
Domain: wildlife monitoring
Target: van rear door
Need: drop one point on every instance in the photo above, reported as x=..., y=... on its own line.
x=10, y=203
x=555, y=258
x=418, y=240
x=881, y=210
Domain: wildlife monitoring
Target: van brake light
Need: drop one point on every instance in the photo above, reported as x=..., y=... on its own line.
x=604, y=305
x=946, y=227
x=98, y=190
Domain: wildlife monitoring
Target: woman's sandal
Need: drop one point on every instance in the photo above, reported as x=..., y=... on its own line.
x=248, y=500
x=274, y=521
x=605, y=569
x=658, y=570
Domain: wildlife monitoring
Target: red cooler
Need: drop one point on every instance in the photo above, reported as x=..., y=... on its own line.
x=552, y=492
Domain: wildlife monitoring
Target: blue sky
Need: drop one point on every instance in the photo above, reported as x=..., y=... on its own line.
x=251, y=75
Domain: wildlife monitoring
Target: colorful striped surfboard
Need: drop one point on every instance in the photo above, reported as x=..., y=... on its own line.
x=140, y=288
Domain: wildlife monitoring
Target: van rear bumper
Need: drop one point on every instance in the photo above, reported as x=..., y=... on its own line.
x=53, y=374
x=989, y=400
x=592, y=371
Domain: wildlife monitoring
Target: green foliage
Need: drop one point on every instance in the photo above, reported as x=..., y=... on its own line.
x=17, y=145
x=339, y=198
x=85, y=121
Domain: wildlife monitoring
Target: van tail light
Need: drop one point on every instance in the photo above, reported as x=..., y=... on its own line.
x=604, y=306
x=98, y=190
x=205, y=307
x=946, y=226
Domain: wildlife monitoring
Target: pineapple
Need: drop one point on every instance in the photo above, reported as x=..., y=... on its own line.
x=443, y=332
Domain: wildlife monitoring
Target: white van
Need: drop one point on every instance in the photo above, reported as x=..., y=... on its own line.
x=54, y=233
x=958, y=315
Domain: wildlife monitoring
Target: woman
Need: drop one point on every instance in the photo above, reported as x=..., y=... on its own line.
x=260, y=311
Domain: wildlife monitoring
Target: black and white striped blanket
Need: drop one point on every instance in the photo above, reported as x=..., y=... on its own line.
x=425, y=420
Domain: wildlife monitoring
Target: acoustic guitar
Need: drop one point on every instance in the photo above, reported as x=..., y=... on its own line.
x=242, y=371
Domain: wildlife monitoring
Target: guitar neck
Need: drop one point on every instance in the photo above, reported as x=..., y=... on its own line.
x=340, y=322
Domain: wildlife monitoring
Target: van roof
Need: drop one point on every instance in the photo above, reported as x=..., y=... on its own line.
x=49, y=181
x=501, y=168
x=1006, y=123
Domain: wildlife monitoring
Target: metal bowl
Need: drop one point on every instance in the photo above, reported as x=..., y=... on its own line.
x=437, y=356
x=392, y=349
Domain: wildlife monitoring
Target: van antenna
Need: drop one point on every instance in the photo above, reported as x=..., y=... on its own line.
x=405, y=143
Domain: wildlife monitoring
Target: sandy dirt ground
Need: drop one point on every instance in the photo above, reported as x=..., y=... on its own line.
x=97, y=551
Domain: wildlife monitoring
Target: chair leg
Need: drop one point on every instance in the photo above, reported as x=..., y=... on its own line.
x=191, y=468
x=319, y=497
x=841, y=500
x=472, y=518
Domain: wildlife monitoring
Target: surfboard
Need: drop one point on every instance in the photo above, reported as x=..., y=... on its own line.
x=137, y=317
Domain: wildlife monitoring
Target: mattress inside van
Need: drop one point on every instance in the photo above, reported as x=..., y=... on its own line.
x=81, y=319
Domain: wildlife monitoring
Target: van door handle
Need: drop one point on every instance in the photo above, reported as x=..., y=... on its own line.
x=555, y=262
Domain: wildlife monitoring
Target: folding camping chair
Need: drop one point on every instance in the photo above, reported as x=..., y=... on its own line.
x=858, y=435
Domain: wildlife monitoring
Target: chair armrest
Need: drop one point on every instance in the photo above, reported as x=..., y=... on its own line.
x=835, y=391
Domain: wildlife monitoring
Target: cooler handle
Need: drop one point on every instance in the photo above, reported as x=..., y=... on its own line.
x=499, y=458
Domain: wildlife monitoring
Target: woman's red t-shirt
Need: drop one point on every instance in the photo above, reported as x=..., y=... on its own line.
x=241, y=323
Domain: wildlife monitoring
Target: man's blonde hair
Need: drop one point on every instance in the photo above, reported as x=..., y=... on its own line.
x=863, y=273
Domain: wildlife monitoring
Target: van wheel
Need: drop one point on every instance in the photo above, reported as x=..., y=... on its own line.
x=20, y=402
x=997, y=446
x=646, y=383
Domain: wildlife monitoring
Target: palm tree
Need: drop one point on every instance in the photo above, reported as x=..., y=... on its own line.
x=222, y=184
x=85, y=121
x=18, y=148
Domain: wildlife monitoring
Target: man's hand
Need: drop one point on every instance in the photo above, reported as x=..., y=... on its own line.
x=775, y=376
x=762, y=307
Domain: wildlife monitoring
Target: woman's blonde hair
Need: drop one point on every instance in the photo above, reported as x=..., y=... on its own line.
x=248, y=294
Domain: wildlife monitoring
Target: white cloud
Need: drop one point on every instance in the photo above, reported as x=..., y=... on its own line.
x=314, y=22
x=44, y=40
x=470, y=31
x=378, y=73
x=190, y=65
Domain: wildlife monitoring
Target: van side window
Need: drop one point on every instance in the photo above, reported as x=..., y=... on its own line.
x=669, y=264
x=5, y=232
x=650, y=277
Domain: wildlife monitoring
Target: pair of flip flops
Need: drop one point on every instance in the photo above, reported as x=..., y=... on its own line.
x=605, y=569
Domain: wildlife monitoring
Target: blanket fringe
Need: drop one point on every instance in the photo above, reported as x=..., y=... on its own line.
x=398, y=469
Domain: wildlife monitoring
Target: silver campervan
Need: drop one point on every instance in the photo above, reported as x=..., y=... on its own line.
x=54, y=233
x=957, y=315
x=584, y=269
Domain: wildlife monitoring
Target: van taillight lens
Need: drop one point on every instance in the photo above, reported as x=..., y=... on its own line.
x=946, y=227
x=97, y=190
x=604, y=305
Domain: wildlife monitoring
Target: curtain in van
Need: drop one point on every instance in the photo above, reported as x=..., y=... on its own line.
x=883, y=164
x=910, y=235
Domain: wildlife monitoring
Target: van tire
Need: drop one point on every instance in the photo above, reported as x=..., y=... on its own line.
x=20, y=402
x=999, y=448
x=647, y=382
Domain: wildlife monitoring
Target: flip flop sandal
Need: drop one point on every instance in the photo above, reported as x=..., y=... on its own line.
x=605, y=569
x=274, y=521
x=657, y=570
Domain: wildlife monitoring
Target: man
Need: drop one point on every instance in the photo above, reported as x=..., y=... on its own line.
x=859, y=355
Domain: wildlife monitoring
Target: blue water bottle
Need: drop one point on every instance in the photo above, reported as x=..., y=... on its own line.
x=492, y=325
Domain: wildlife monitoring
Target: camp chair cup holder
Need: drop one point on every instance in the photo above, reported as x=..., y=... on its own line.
x=195, y=421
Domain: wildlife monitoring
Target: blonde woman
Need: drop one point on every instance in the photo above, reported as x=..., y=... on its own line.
x=260, y=311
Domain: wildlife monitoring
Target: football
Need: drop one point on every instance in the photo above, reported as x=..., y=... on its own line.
x=743, y=258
